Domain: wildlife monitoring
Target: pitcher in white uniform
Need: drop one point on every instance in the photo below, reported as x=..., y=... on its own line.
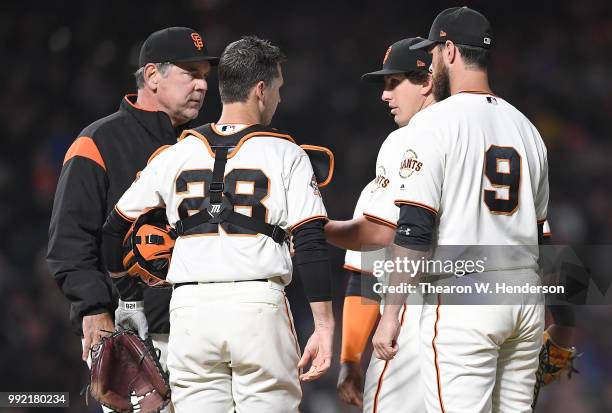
x=407, y=87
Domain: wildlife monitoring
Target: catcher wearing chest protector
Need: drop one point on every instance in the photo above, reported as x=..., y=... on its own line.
x=125, y=368
x=234, y=191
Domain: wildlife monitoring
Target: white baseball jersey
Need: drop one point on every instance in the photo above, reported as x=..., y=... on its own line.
x=381, y=206
x=268, y=177
x=481, y=167
x=352, y=259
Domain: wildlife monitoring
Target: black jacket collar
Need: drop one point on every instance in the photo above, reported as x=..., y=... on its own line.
x=157, y=123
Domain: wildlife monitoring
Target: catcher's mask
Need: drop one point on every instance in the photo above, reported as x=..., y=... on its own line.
x=148, y=248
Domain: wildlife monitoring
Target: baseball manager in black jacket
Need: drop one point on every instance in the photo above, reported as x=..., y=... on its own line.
x=102, y=163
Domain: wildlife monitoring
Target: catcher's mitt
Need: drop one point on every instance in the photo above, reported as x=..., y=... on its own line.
x=554, y=360
x=126, y=375
x=148, y=248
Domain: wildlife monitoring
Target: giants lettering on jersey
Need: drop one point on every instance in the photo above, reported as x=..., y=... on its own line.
x=409, y=164
x=381, y=180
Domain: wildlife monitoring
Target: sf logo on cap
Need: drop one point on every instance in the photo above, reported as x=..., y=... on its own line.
x=197, y=40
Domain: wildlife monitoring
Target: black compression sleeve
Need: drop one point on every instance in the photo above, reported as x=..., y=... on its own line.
x=113, y=232
x=415, y=228
x=361, y=285
x=541, y=234
x=312, y=260
x=563, y=315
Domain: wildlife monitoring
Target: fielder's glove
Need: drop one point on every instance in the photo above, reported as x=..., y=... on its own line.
x=554, y=360
x=130, y=315
x=126, y=375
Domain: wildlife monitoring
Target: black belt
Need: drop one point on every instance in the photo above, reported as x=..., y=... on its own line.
x=175, y=286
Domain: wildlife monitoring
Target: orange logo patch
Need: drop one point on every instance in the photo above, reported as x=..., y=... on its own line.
x=420, y=63
x=442, y=33
x=387, y=55
x=197, y=41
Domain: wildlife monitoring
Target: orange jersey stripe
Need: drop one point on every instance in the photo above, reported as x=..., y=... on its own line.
x=351, y=268
x=157, y=152
x=123, y=215
x=85, y=146
x=304, y=221
x=378, y=220
x=331, y=162
x=417, y=204
x=433, y=345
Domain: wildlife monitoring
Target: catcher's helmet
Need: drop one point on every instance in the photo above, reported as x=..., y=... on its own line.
x=148, y=248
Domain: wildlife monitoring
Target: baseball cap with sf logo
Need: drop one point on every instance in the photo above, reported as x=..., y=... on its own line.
x=400, y=59
x=460, y=25
x=175, y=45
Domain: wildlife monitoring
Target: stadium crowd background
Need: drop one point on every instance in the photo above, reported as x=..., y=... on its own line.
x=67, y=63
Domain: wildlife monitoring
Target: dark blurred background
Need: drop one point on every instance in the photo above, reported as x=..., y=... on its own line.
x=67, y=63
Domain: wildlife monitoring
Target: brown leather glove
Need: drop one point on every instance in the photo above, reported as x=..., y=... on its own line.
x=123, y=363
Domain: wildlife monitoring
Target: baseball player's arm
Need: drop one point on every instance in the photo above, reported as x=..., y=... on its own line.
x=73, y=252
x=143, y=194
x=412, y=242
x=418, y=194
x=306, y=216
x=375, y=227
x=113, y=232
x=359, y=234
x=312, y=262
x=562, y=331
x=359, y=315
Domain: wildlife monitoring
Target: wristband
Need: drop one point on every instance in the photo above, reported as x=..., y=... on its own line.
x=131, y=305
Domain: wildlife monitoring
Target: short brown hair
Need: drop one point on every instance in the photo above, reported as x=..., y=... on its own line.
x=244, y=63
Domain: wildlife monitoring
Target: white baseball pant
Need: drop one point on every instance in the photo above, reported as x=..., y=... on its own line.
x=233, y=347
x=481, y=358
x=396, y=385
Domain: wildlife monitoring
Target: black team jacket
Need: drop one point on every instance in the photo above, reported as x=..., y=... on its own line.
x=98, y=168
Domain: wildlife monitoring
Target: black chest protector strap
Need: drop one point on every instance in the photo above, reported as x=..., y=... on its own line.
x=219, y=207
